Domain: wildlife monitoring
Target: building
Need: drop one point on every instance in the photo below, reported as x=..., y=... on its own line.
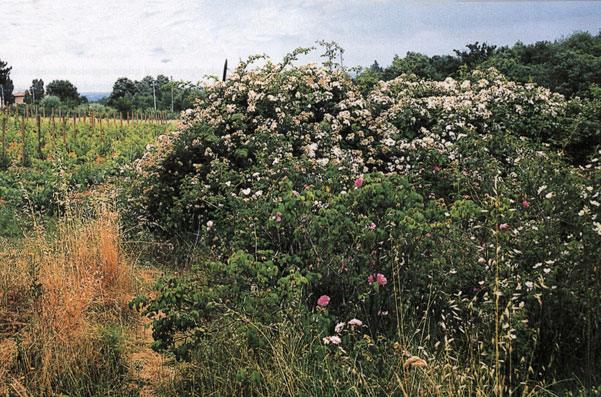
x=19, y=97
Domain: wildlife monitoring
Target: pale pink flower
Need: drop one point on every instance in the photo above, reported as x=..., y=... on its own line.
x=372, y=226
x=526, y=204
x=323, y=300
x=356, y=322
x=359, y=182
x=339, y=327
x=437, y=168
x=335, y=340
x=428, y=235
x=503, y=226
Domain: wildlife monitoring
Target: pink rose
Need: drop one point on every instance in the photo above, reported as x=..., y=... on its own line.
x=359, y=182
x=323, y=300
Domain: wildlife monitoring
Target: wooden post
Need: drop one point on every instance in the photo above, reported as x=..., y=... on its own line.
x=64, y=127
x=85, y=112
x=128, y=118
x=23, y=139
x=74, y=127
x=100, y=126
x=120, y=122
x=39, y=136
x=53, y=128
x=93, y=120
x=4, y=141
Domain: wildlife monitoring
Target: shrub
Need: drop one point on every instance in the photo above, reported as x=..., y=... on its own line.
x=432, y=209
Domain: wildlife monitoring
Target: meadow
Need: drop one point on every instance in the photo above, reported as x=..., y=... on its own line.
x=297, y=233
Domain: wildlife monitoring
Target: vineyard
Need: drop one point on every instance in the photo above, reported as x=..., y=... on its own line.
x=28, y=134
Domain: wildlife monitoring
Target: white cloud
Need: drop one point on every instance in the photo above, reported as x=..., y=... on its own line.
x=92, y=43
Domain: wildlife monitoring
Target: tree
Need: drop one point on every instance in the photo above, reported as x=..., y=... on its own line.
x=477, y=54
x=37, y=90
x=50, y=101
x=121, y=98
x=6, y=84
x=65, y=90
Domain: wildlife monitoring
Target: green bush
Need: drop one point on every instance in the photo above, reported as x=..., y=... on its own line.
x=440, y=209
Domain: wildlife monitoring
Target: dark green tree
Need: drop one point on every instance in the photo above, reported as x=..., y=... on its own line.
x=476, y=54
x=122, y=96
x=65, y=90
x=6, y=84
x=35, y=92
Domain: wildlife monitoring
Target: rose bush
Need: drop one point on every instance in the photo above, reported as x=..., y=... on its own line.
x=441, y=209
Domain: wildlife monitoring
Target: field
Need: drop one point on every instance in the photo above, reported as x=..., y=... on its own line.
x=298, y=233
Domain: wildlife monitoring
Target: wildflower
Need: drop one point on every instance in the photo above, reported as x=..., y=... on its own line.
x=372, y=226
x=359, y=182
x=356, y=322
x=277, y=217
x=526, y=204
x=437, y=168
x=210, y=224
x=323, y=300
x=378, y=278
x=503, y=226
x=339, y=327
x=382, y=313
x=246, y=191
x=335, y=340
x=428, y=234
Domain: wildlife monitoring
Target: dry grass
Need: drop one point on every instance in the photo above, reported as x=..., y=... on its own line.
x=54, y=295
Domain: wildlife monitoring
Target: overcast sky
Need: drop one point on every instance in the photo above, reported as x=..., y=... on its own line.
x=92, y=43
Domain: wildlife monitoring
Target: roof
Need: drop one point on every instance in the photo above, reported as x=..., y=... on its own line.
x=20, y=93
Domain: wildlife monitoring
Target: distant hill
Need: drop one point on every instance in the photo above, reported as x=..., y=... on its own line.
x=95, y=96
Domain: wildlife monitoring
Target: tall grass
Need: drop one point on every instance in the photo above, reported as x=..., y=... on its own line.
x=59, y=293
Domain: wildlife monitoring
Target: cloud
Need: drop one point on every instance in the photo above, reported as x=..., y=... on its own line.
x=93, y=43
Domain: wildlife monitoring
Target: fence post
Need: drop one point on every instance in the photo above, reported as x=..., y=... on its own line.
x=23, y=139
x=39, y=136
x=74, y=127
x=53, y=128
x=4, y=141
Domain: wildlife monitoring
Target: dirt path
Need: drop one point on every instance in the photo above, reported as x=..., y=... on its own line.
x=147, y=369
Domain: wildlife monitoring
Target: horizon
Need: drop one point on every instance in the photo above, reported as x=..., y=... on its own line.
x=92, y=45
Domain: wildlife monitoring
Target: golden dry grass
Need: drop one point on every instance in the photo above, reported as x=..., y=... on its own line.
x=54, y=294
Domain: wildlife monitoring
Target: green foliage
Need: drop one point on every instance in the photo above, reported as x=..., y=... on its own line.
x=567, y=66
x=440, y=209
x=6, y=84
x=50, y=102
x=129, y=95
x=65, y=90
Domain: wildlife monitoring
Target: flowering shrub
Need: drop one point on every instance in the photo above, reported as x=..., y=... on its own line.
x=442, y=207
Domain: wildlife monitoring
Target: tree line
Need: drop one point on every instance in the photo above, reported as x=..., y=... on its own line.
x=570, y=66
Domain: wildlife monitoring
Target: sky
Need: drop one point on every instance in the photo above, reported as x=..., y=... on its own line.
x=92, y=43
